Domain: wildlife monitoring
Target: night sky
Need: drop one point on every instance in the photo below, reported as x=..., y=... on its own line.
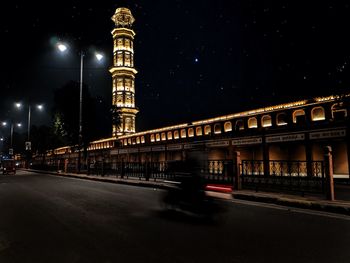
x=196, y=59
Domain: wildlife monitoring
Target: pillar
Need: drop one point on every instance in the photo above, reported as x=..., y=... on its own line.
x=237, y=170
x=328, y=161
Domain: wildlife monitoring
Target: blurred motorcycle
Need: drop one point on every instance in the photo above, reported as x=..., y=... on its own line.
x=189, y=196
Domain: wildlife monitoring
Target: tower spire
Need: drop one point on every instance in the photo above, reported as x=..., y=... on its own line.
x=123, y=74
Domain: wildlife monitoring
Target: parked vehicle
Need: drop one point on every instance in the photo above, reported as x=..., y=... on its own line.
x=9, y=166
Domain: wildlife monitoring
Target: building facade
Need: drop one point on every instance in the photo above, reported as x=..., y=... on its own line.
x=123, y=74
x=296, y=131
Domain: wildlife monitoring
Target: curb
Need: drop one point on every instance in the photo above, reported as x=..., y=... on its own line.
x=148, y=184
x=313, y=205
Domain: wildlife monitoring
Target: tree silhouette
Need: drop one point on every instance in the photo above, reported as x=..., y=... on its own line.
x=96, y=118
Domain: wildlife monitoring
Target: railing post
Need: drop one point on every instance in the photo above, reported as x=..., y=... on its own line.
x=65, y=165
x=309, y=158
x=329, y=173
x=236, y=170
x=266, y=158
x=122, y=171
x=148, y=171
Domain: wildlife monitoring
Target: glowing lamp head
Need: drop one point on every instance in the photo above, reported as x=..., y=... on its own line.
x=40, y=107
x=18, y=105
x=62, y=47
x=99, y=56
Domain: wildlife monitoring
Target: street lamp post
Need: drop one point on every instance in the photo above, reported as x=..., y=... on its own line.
x=11, y=135
x=29, y=108
x=62, y=47
x=80, y=138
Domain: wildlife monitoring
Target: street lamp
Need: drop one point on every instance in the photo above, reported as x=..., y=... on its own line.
x=11, y=134
x=62, y=47
x=40, y=107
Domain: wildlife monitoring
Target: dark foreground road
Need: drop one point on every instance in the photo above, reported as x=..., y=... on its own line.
x=54, y=219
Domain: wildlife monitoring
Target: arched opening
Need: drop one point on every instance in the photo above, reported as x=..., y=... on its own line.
x=190, y=132
x=339, y=112
x=199, y=131
x=239, y=125
x=152, y=138
x=142, y=139
x=170, y=135
x=252, y=123
x=318, y=114
x=207, y=130
x=217, y=128
x=266, y=121
x=176, y=135
x=138, y=140
x=281, y=119
x=299, y=116
x=183, y=133
x=163, y=136
x=157, y=137
x=228, y=126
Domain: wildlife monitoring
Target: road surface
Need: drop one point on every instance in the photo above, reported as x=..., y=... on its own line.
x=45, y=218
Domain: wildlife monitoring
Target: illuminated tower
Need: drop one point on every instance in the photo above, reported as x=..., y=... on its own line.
x=123, y=73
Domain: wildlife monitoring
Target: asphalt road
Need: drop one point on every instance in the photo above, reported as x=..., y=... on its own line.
x=55, y=219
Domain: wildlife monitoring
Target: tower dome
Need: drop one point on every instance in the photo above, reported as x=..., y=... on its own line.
x=123, y=17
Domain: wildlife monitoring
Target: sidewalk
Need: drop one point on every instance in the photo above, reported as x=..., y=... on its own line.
x=307, y=202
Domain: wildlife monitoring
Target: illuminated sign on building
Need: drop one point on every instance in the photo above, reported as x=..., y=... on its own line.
x=286, y=138
x=247, y=141
x=218, y=144
x=328, y=134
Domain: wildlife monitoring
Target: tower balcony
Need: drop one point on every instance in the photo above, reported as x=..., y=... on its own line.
x=123, y=48
x=122, y=69
x=122, y=31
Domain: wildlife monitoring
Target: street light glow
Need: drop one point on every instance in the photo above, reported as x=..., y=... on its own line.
x=4, y=123
x=99, y=56
x=18, y=105
x=19, y=124
x=62, y=47
x=40, y=107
